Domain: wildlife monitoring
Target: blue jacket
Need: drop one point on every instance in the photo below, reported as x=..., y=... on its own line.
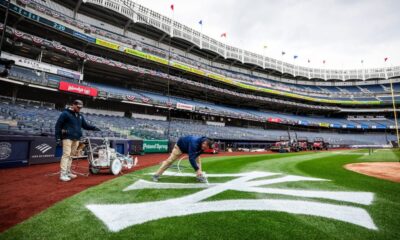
x=69, y=125
x=192, y=146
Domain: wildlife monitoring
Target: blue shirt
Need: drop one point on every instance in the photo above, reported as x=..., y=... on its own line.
x=71, y=123
x=192, y=146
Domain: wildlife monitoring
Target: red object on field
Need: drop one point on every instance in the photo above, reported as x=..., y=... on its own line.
x=317, y=144
x=76, y=88
x=303, y=145
x=213, y=150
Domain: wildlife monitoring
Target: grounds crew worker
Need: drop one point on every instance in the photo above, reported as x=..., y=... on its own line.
x=194, y=147
x=68, y=132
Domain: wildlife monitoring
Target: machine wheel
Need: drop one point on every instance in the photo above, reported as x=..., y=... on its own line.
x=94, y=170
x=116, y=166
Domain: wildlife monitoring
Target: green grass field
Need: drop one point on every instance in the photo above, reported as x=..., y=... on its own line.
x=71, y=219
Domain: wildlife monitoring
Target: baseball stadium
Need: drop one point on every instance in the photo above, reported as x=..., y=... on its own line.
x=119, y=120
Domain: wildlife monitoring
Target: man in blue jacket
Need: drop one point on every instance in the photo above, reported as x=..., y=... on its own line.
x=68, y=133
x=194, y=147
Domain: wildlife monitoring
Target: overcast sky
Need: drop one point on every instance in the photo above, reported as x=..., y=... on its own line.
x=342, y=32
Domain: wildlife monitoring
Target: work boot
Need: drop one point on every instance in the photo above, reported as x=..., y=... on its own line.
x=201, y=178
x=64, y=177
x=71, y=175
x=155, y=178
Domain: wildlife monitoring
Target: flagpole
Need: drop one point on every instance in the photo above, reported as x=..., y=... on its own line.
x=201, y=34
x=226, y=46
x=264, y=49
x=294, y=65
x=363, y=70
x=173, y=20
x=294, y=71
x=225, y=42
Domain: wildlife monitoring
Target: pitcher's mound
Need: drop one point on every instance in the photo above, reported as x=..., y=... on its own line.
x=384, y=170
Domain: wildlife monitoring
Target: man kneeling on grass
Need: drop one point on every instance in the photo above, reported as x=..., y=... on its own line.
x=194, y=146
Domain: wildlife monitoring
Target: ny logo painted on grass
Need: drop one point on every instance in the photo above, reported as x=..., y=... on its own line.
x=120, y=216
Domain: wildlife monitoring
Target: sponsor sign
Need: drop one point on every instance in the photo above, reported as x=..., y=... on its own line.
x=107, y=44
x=79, y=89
x=324, y=124
x=84, y=37
x=68, y=74
x=135, y=52
x=219, y=124
x=157, y=59
x=184, y=106
x=302, y=122
x=44, y=67
x=155, y=146
x=5, y=150
x=145, y=56
x=274, y=120
x=43, y=150
x=14, y=151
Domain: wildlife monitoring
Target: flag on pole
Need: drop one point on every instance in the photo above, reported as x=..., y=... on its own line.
x=386, y=58
x=265, y=46
x=308, y=60
x=172, y=7
x=201, y=22
x=223, y=34
x=295, y=56
x=362, y=61
x=283, y=53
x=323, y=61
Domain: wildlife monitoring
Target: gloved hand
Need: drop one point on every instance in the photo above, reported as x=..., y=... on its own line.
x=58, y=142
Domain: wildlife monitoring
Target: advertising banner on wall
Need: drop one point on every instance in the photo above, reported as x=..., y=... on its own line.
x=184, y=106
x=14, y=151
x=43, y=150
x=274, y=120
x=44, y=67
x=79, y=89
x=336, y=125
x=107, y=44
x=155, y=146
x=303, y=122
x=324, y=124
x=84, y=37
